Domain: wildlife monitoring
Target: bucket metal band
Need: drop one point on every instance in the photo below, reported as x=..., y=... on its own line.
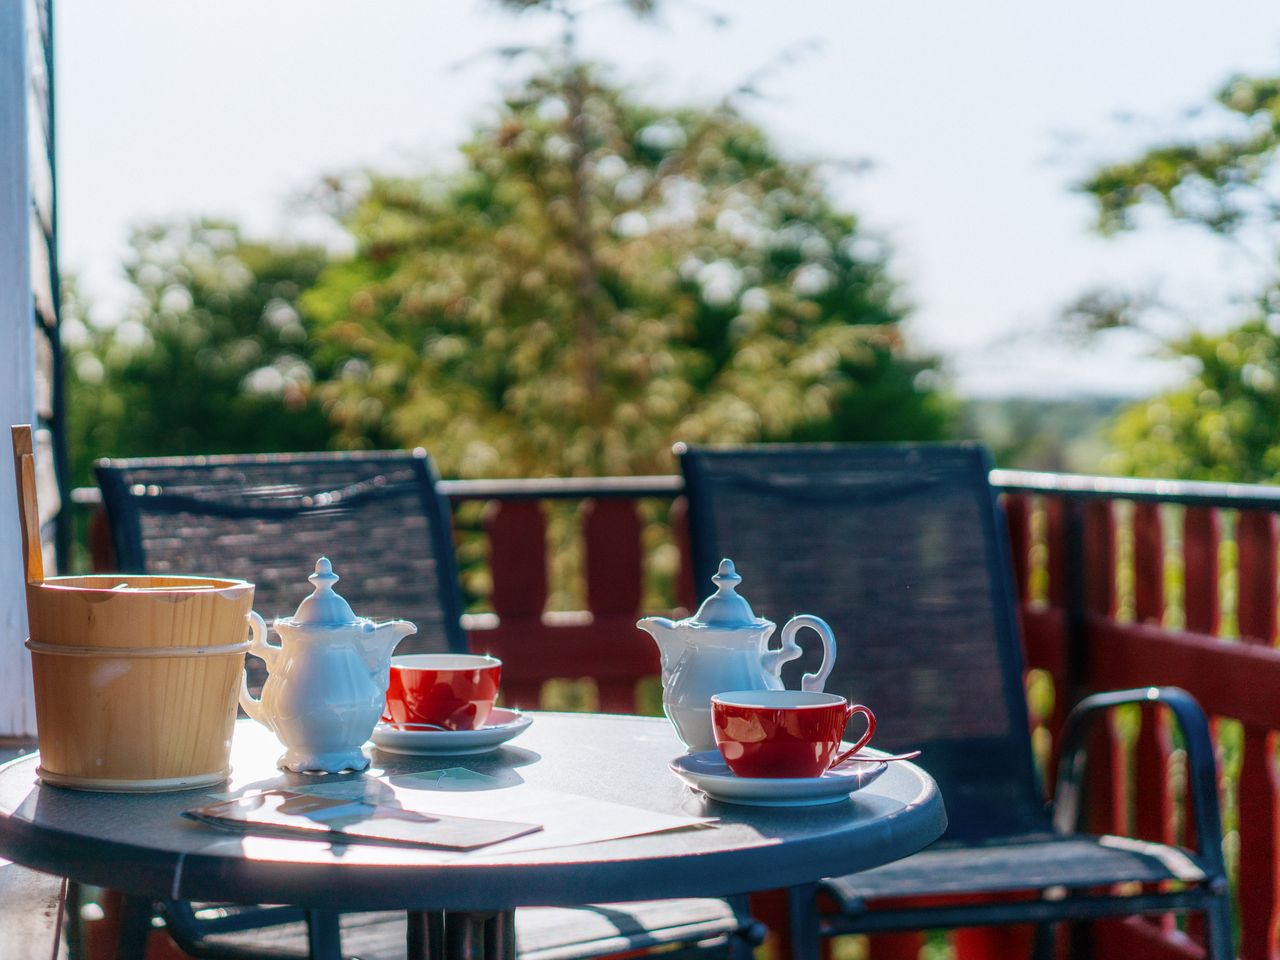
x=35, y=646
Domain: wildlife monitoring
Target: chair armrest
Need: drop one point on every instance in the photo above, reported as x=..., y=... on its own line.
x=1202, y=768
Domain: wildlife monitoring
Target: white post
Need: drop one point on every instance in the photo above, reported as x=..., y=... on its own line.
x=17, y=361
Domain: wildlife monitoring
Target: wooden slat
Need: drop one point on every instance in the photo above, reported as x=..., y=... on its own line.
x=615, y=564
x=896, y=946
x=1259, y=881
x=517, y=557
x=1148, y=563
x=1256, y=538
x=1152, y=801
x=1154, y=815
x=1105, y=810
x=1044, y=632
x=1106, y=790
x=1099, y=557
x=1056, y=540
x=1201, y=534
x=1017, y=509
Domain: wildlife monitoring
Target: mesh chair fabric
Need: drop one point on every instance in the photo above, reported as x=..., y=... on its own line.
x=268, y=518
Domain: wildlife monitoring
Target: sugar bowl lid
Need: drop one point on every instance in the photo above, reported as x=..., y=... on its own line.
x=323, y=606
x=725, y=609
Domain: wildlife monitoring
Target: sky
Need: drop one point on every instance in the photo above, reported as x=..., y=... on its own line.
x=976, y=120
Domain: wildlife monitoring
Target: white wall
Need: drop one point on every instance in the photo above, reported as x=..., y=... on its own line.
x=17, y=361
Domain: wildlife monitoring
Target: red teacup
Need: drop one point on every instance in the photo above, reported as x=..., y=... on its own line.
x=784, y=733
x=449, y=690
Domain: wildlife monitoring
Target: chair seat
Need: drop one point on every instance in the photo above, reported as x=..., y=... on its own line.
x=542, y=933
x=1023, y=863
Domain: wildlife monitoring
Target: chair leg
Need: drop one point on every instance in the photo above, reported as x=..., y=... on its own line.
x=802, y=904
x=1046, y=936
x=1219, y=937
x=135, y=928
x=324, y=935
x=743, y=943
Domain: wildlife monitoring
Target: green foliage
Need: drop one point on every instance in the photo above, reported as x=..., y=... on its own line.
x=600, y=279
x=605, y=277
x=1224, y=423
x=1223, y=182
x=212, y=357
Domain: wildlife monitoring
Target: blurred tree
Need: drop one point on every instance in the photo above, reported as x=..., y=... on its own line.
x=1224, y=423
x=213, y=355
x=604, y=277
x=1224, y=181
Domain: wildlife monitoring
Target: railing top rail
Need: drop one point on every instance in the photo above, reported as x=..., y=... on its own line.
x=1237, y=496
x=540, y=488
x=563, y=488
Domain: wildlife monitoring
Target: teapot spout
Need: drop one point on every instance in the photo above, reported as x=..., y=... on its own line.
x=380, y=640
x=667, y=635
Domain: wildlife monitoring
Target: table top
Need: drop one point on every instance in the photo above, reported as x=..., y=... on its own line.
x=141, y=844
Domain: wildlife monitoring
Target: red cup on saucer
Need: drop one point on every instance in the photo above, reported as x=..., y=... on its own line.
x=784, y=733
x=449, y=691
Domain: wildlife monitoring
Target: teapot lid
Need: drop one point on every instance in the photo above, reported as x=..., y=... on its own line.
x=725, y=608
x=323, y=607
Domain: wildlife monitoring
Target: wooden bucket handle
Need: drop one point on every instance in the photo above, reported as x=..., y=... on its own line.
x=24, y=474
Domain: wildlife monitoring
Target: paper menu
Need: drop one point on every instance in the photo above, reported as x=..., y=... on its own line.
x=566, y=819
x=292, y=813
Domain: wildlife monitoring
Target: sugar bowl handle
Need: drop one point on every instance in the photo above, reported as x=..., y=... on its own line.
x=268, y=652
x=818, y=679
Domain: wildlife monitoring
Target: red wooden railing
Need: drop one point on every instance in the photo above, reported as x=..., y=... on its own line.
x=1129, y=583
x=1123, y=583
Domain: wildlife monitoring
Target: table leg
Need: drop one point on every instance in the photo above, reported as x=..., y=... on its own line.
x=324, y=935
x=500, y=936
x=135, y=928
x=461, y=936
x=425, y=936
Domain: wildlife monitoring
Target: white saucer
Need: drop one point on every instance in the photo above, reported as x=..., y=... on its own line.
x=707, y=772
x=502, y=726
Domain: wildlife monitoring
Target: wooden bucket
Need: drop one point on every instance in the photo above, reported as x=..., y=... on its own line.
x=136, y=678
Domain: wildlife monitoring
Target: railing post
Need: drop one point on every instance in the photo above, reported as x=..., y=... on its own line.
x=1201, y=538
x=1202, y=613
x=615, y=579
x=1154, y=809
x=1017, y=509
x=518, y=565
x=1259, y=881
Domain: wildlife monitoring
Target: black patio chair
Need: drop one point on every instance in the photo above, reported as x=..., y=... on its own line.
x=379, y=517
x=903, y=550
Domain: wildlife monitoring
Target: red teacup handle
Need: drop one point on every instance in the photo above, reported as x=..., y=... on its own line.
x=849, y=711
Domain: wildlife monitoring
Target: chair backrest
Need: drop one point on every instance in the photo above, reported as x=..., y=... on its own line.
x=902, y=550
x=267, y=518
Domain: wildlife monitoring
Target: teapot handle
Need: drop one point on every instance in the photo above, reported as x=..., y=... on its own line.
x=818, y=679
x=268, y=652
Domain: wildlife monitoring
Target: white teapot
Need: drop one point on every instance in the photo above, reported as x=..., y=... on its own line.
x=328, y=678
x=725, y=647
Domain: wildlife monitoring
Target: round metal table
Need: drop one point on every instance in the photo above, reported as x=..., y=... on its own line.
x=140, y=843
